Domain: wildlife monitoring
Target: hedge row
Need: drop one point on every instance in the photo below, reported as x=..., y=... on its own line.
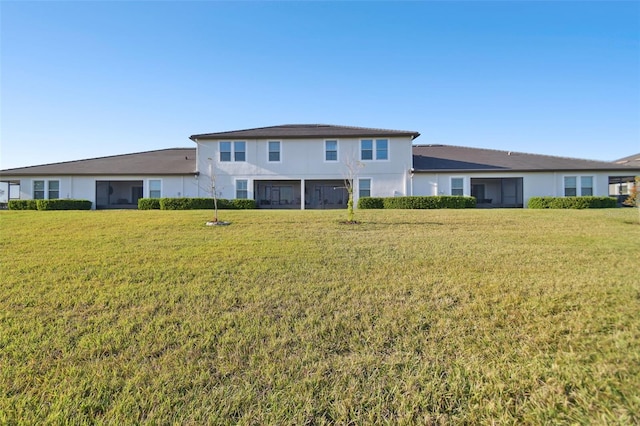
x=194, y=204
x=414, y=202
x=60, y=204
x=572, y=203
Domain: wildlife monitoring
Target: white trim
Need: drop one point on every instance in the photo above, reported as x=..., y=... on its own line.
x=370, y=179
x=464, y=185
x=149, y=187
x=235, y=188
x=324, y=151
x=279, y=151
x=232, y=158
x=374, y=150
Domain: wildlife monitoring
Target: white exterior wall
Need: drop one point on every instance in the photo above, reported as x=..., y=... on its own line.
x=84, y=187
x=304, y=159
x=534, y=184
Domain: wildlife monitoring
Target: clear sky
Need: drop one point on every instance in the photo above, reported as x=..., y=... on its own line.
x=87, y=79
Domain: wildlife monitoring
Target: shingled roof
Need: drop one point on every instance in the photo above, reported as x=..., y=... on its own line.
x=433, y=158
x=172, y=161
x=291, y=131
x=632, y=160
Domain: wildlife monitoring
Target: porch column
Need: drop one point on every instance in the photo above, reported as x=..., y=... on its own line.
x=302, y=194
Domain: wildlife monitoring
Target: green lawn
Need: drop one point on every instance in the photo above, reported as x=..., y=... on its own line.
x=290, y=317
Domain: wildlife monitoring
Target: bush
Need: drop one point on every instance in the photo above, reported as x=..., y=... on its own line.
x=23, y=205
x=370, y=203
x=148, y=203
x=205, y=204
x=571, y=202
x=62, y=204
x=430, y=202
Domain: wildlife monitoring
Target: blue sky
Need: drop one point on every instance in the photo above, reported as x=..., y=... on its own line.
x=88, y=79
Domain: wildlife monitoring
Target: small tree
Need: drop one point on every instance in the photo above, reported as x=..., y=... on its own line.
x=634, y=197
x=353, y=167
x=214, y=194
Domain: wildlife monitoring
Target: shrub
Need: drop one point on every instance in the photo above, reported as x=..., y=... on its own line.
x=370, y=203
x=243, y=204
x=205, y=204
x=63, y=204
x=148, y=203
x=23, y=205
x=571, y=202
x=429, y=202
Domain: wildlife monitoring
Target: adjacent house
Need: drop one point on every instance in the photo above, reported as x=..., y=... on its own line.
x=304, y=166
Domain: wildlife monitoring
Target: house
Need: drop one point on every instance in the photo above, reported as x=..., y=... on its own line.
x=507, y=178
x=109, y=182
x=304, y=166
x=621, y=186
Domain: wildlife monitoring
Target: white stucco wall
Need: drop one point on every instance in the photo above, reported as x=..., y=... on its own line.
x=84, y=187
x=304, y=159
x=534, y=184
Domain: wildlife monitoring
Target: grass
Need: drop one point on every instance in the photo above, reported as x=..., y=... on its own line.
x=290, y=317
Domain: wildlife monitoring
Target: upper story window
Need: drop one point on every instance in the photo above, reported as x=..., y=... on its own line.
x=52, y=191
x=457, y=186
x=236, y=151
x=331, y=150
x=274, y=151
x=571, y=188
x=155, y=188
x=378, y=149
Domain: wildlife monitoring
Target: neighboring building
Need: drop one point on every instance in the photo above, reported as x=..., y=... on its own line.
x=509, y=179
x=115, y=182
x=621, y=186
x=305, y=166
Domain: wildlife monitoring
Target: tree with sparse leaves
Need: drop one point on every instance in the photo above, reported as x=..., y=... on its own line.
x=353, y=167
x=634, y=197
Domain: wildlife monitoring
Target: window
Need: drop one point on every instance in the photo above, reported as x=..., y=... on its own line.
x=457, y=186
x=225, y=151
x=366, y=149
x=331, y=150
x=586, y=186
x=364, y=188
x=274, y=151
x=155, y=188
x=241, y=189
x=239, y=149
x=54, y=189
x=381, y=148
x=238, y=153
x=38, y=190
x=570, y=189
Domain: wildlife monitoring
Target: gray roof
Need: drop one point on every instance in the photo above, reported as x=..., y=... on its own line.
x=172, y=161
x=430, y=158
x=290, y=131
x=632, y=160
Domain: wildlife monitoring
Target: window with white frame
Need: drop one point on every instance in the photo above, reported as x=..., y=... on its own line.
x=364, y=188
x=53, y=187
x=155, y=188
x=38, y=190
x=369, y=147
x=239, y=151
x=331, y=150
x=274, y=151
x=49, y=189
x=570, y=186
x=242, y=191
x=586, y=186
x=233, y=151
x=457, y=186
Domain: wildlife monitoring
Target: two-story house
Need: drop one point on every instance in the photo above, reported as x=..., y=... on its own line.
x=304, y=166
